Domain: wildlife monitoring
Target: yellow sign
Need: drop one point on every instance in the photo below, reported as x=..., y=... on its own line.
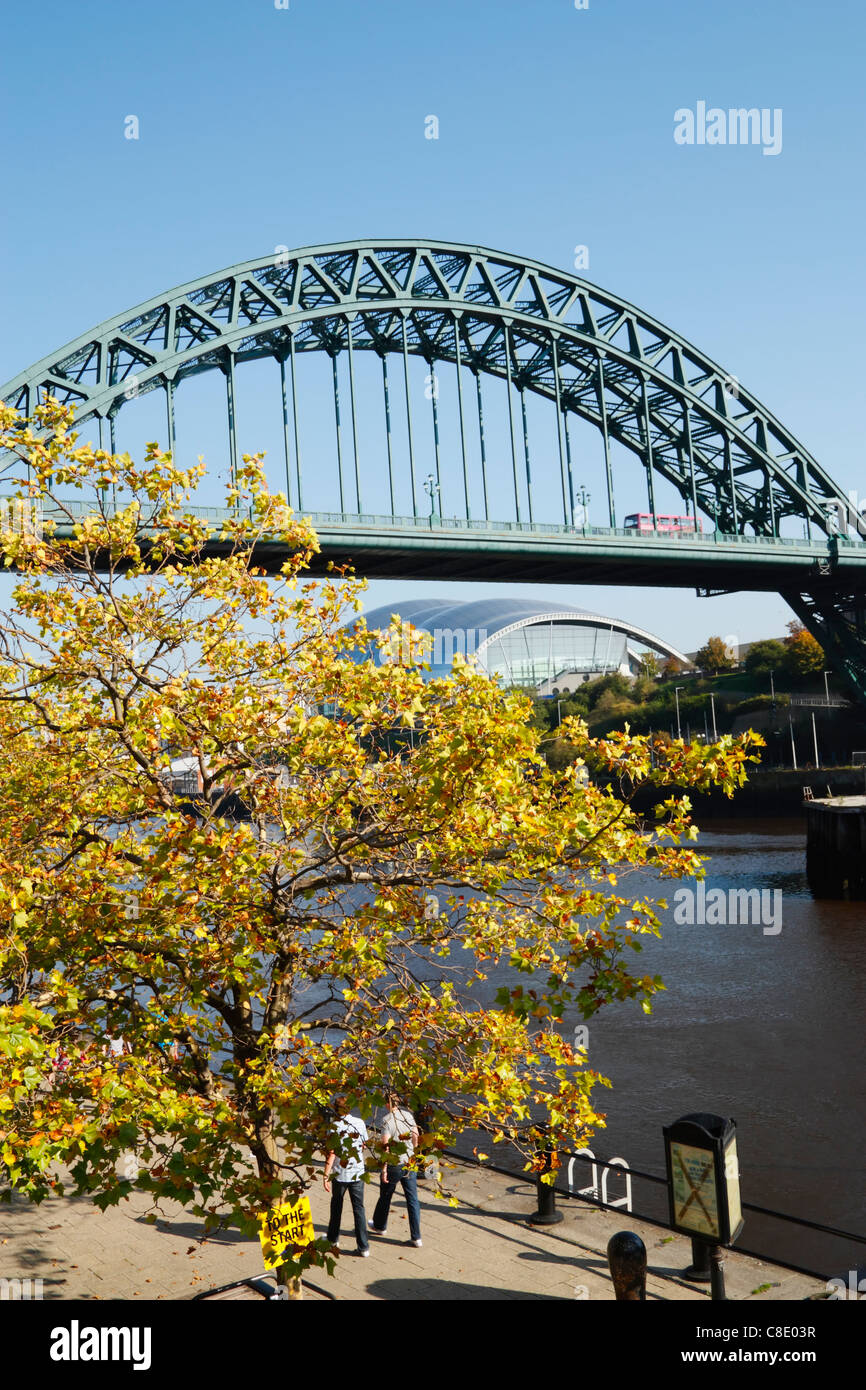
x=281, y=1227
x=694, y=1180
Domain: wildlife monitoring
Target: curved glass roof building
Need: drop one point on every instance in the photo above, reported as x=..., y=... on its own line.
x=551, y=648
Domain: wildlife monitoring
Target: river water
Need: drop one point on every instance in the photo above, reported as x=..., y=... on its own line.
x=764, y=1027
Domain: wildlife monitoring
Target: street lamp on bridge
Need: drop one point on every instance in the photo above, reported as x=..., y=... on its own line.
x=677, y=689
x=432, y=488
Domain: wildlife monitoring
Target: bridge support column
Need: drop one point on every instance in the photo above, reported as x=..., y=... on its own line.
x=649, y=450
x=837, y=619
x=482, y=442
x=230, y=405
x=602, y=405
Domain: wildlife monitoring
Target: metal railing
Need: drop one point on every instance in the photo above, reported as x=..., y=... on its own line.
x=820, y=702
x=596, y=1194
x=378, y=520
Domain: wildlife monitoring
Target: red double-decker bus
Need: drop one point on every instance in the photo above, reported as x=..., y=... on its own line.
x=643, y=522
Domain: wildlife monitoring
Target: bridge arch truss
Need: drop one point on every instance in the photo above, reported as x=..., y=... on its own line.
x=544, y=332
x=540, y=330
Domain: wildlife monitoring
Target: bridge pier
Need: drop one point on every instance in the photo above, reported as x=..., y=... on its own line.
x=836, y=847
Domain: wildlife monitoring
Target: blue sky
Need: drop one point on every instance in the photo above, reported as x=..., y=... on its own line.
x=262, y=127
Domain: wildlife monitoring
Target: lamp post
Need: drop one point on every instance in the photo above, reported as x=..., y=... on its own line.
x=558, y=713
x=793, y=746
x=677, y=689
x=585, y=499
x=713, y=708
x=432, y=488
x=826, y=687
x=815, y=739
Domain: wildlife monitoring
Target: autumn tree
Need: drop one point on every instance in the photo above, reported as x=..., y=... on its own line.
x=804, y=656
x=316, y=940
x=714, y=657
x=650, y=663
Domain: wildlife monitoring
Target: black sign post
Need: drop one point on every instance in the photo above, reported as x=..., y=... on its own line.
x=704, y=1186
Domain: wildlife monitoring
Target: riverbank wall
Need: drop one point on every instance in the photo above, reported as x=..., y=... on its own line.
x=768, y=792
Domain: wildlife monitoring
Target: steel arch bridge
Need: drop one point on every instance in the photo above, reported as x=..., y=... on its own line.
x=545, y=334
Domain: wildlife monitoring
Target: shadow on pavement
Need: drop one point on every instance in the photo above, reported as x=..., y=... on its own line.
x=598, y=1264
x=194, y=1230
x=448, y=1290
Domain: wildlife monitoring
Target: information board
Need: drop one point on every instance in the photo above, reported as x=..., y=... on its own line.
x=694, y=1190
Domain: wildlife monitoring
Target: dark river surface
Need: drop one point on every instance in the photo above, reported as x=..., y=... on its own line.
x=764, y=1028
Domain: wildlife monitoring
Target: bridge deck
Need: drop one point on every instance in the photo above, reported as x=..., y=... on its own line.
x=440, y=548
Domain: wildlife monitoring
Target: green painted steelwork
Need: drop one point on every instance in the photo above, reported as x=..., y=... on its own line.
x=544, y=331
x=613, y=360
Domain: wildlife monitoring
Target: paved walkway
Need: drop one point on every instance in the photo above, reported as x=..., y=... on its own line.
x=481, y=1249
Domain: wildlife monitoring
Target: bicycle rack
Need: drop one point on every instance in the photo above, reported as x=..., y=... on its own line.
x=592, y=1190
x=625, y=1200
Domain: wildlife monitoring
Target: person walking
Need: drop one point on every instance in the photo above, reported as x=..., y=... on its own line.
x=400, y=1138
x=425, y=1119
x=348, y=1171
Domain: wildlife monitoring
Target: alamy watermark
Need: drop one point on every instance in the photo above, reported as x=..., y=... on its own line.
x=20, y=1290
x=408, y=646
x=735, y=126
x=844, y=517
x=77, y=1343
x=855, y=1287
x=17, y=514
x=738, y=907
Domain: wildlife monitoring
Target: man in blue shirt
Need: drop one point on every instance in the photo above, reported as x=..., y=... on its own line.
x=347, y=1166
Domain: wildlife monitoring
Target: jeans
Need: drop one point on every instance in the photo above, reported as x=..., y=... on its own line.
x=409, y=1183
x=356, y=1193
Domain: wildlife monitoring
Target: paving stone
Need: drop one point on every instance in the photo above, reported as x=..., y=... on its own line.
x=482, y=1249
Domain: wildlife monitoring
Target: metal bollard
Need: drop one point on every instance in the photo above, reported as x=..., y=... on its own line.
x=717, y=1274
x=626, y=1258
x=546, y=1215
x=699, y=1269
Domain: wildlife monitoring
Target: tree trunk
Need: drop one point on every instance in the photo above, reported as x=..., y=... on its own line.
x=289, y=1286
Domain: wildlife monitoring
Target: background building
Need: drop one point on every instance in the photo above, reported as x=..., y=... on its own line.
x=551, y=650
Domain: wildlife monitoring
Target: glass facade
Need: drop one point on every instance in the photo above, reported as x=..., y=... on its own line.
x=515, y=639
x=545, y=650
